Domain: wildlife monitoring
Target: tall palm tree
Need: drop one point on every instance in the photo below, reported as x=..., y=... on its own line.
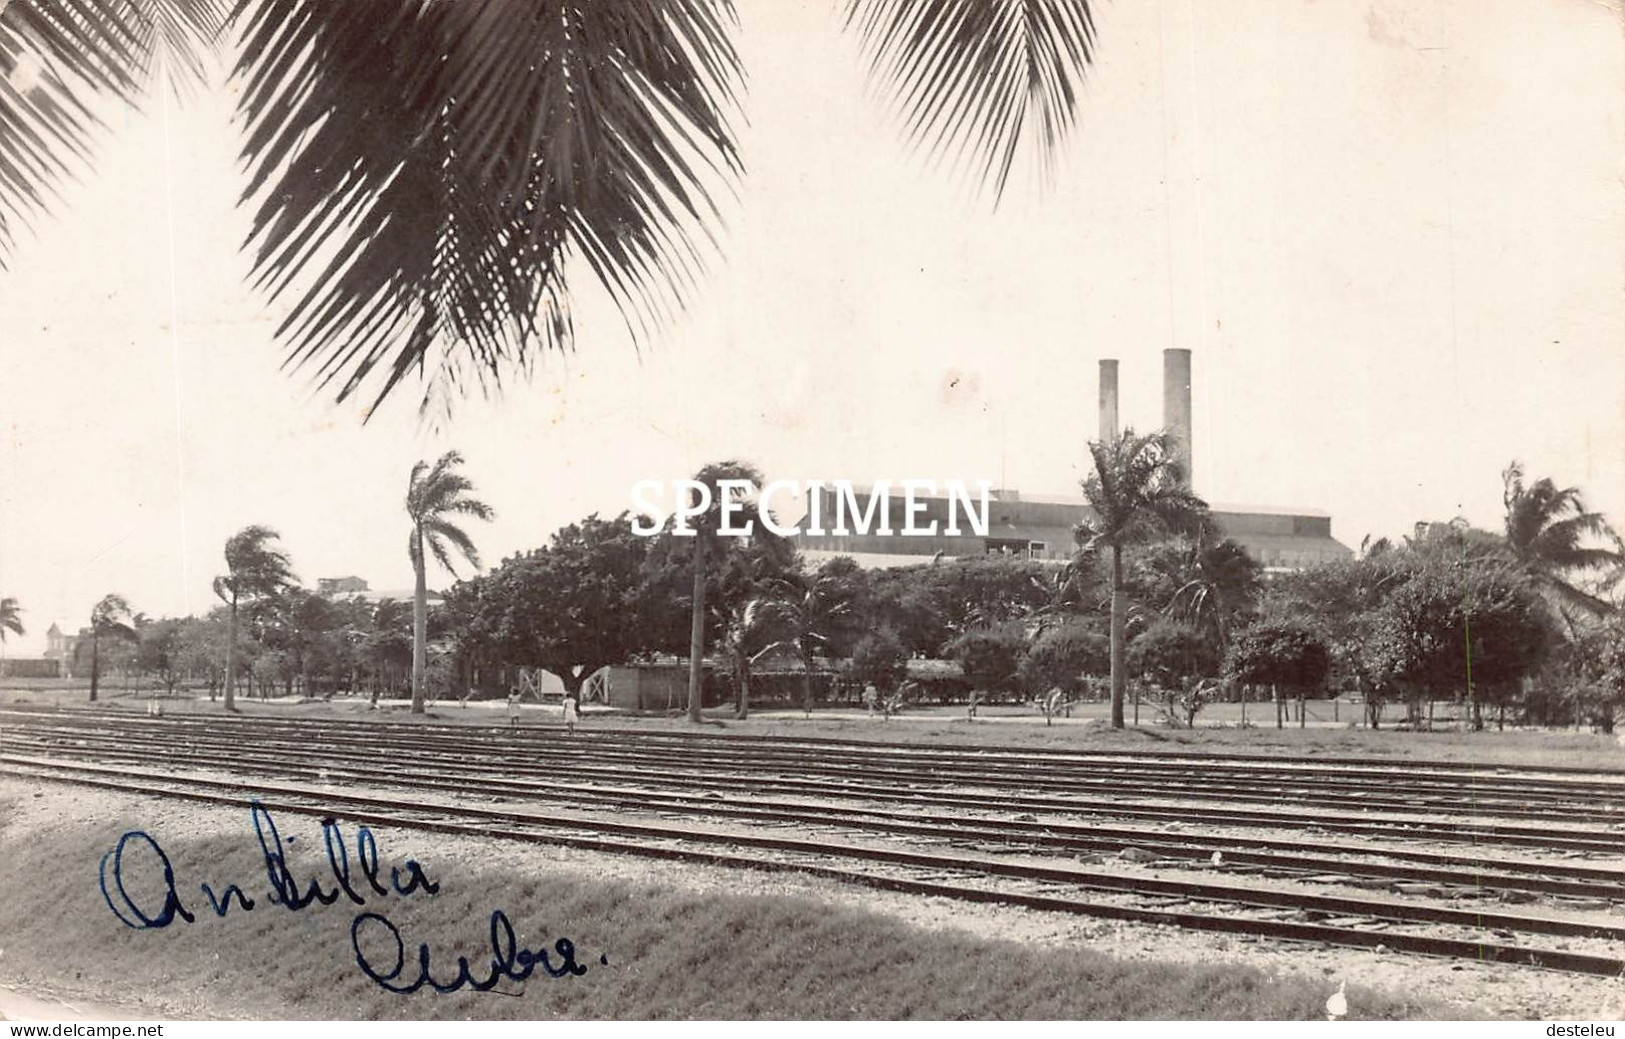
x=435, y=494
x=1136, y=491
x=707, y=545
x=424, y=170
x=1556, y=540
x=255, y=569
x=109, y=618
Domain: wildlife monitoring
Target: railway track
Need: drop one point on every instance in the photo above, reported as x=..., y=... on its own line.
x=988, y=824
x=491, y=753
x=1485, y=788
x=454, y=774
x=1208, y=906
x=1473, y=876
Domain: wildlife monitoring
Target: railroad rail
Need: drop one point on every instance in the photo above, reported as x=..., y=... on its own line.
x=986, y=824
x=1476, y=820
x=1233, y=909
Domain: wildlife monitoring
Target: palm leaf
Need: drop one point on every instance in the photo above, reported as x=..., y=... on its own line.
x=55, y=55
x=429, y=171
x=439, y=530
x=975, y=79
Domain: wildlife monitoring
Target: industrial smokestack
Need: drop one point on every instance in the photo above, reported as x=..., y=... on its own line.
x=1176, y=407
x=1108, y=401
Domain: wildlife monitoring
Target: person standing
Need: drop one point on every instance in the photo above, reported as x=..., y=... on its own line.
x=572, y=712
x=513, y=708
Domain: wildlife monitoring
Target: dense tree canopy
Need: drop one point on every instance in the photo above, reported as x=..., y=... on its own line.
x=572, y=606
x=1287, y=653
x=1064, y=655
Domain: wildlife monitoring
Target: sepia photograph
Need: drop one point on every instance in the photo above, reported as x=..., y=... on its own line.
x=801, y=510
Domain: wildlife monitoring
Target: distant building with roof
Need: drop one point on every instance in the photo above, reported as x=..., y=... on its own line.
x=352, y=589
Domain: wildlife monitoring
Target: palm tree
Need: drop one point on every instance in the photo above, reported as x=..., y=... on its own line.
x=427, y=168
x=1215, y=581
x=708, y=544
x=1136, y=491
x=741, y=634
x=808, y=611
x=434, y=494
x=11, y=618
x=1554, y=538
x=772, y=555
x=109, y=618
x=255, y=570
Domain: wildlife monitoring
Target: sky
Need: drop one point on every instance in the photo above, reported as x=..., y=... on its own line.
x=1392, y=234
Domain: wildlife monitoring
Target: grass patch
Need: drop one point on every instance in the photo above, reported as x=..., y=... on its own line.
x=671, y=954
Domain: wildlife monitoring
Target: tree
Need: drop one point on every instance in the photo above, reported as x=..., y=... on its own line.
x=202, y=647
x=300, y=624
x=725, y=484
x=1280, y=653
x=990, y=657
x=11, y=618
x=1461, y=626
x=1171, y=653
x=1176, y=657
x=255, y=569
x=1205, y=580
x=905, y=600
x=387, y=645
x=573, y=606
x=434, y=494
x=424, y=170
x=741, y=644
x=806, y=611
x=1135, y=491
x=880, y=659
x=159, y=651
x=1063, y=655
x=846, y=581
x=1555, y=540
x=1595, y=665
x=109, y=618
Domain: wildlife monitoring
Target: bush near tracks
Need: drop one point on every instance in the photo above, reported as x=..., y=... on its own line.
x=671, y=954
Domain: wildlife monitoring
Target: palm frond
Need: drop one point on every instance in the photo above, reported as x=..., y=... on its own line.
x=437, y=548
x=428, y=170
x=976, y=79
x=437, y=530
x=10, y=618
x=55, y=55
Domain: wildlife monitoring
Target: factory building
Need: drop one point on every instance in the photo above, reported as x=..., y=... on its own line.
x=1042, y=528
